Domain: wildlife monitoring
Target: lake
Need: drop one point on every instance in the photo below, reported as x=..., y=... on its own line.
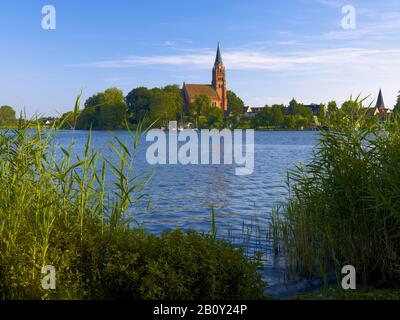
x=182, y=196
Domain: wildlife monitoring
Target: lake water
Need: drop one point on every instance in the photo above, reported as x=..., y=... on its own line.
x=182, y=196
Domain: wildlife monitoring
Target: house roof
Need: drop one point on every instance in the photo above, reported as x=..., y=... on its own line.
x=195, y=90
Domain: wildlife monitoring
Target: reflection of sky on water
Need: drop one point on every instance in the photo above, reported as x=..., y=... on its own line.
x=182, y=196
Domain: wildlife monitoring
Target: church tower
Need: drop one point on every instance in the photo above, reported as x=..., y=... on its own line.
x=380, y=105
x=219, y=81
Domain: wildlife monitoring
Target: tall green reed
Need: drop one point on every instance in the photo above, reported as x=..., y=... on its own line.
x=344, y=204
x=49, y=197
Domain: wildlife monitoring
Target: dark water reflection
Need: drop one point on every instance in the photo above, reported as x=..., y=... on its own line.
x=182, y=196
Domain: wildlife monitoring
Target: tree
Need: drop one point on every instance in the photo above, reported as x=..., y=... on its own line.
x=205, y=114
x=138, y=101
x=307, y=114
x=163, y=106
x=235, y=104
x=277, y=116
x=172, y=88
x=142, y=101
x=290, y=122
x=111, y=96
x=215, y=118
x=295, y=108
x=87, y=119
x=332, y=107
x=202, y=122
x=298, y=109
x=111, y=117
x=264, y=118
x=66, y=121
x=175, y=92
x=103, y=111
x=322, y=110
x=235, y=108
x=301, y=122
x=201, y=105
x=104, y=117
x=7, y=115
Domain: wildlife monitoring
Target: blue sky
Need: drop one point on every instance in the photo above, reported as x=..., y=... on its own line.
x=273, y=50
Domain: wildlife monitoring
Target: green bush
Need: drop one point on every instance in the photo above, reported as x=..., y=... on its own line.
x=344, y=205
x=130, y=264
x=176, y=265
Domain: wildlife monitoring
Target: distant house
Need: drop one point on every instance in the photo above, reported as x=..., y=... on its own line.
x=252, y=111
x=47, y=121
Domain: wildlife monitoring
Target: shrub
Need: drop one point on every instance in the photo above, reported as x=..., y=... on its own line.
x=177, y=265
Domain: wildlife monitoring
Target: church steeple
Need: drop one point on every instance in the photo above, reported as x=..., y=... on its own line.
x=218, y=58
x=380, y=104
x=219, y=80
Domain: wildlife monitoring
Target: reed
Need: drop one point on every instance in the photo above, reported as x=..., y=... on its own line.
x=344, y=204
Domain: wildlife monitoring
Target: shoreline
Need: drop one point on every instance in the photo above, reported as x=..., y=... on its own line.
x=123, y=130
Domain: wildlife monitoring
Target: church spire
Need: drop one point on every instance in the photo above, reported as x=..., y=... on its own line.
x=219, y=81
x=380, y=104
x=218, y=58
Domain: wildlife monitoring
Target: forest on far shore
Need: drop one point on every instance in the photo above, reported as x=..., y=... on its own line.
x=111, y=110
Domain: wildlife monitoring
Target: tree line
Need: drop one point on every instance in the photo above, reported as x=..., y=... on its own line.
x=294, y=116
x=111, y=110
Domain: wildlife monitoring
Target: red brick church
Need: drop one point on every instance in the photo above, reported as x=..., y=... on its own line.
x=217, y=91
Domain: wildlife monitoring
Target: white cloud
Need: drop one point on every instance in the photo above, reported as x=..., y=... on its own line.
x=258, y=60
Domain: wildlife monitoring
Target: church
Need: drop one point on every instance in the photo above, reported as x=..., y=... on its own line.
x=380, y=108
x=217, y=90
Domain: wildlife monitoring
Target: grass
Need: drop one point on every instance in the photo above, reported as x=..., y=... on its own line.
x=70, y=211
x=344, y=205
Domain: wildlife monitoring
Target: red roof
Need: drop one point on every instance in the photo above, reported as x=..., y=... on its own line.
x=195, y=90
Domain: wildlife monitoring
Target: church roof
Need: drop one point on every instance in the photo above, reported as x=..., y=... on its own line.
x=194, y=90
x=380, y=104
x=218, y=58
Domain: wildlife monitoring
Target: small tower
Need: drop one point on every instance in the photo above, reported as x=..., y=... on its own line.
x=219, y=80
x=380, y=104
